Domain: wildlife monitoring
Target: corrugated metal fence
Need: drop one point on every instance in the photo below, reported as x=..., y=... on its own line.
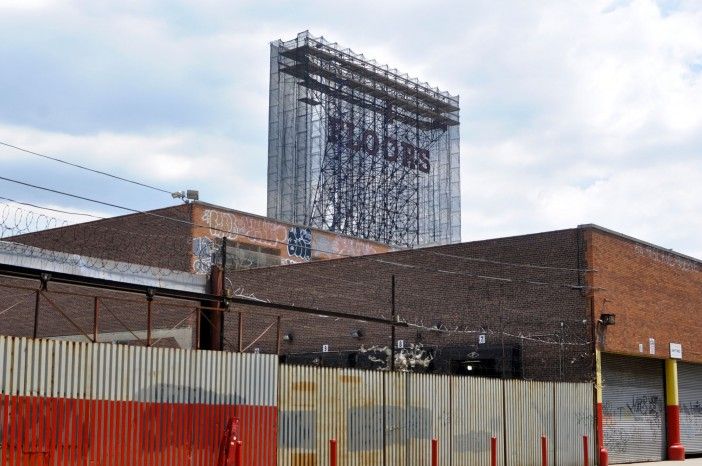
x=390, y=418
x=70, y=403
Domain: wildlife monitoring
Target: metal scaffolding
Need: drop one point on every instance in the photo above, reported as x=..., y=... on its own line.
x=360, y=149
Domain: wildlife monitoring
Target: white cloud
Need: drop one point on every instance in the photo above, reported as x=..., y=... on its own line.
x=572, y=112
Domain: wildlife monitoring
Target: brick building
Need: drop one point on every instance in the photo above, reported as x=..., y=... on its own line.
x=184, y=238
x=582, y=304
x=571, y=305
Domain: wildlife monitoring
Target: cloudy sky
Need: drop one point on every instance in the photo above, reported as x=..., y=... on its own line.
x=572, y=112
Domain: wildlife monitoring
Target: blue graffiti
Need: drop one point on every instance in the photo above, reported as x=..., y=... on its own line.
x=300, y=243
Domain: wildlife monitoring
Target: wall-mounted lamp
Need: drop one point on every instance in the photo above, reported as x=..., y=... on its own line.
x=288, y=337
x=357, y=333
x=608, y=319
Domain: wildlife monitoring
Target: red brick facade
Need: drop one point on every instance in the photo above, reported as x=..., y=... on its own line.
x=653, y=292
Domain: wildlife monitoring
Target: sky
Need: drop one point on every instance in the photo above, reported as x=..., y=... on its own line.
x=572, y=112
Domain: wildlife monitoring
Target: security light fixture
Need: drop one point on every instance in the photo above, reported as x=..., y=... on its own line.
x=608, y=319
x=357, y=333
x=288, y=337
x=186, y=196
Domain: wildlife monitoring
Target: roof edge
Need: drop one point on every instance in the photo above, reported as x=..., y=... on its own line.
x=594, y=226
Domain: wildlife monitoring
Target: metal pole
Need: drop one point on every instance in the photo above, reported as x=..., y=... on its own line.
x=493, y=451
x=586, y=451
x=149, y=300
x=277, y=338
x=434, y=452
x=544, y=451
x=96, y=311
x=332, y=453
x=393, y=314
x=239, y=332
x=36, y=314
x=224, y=264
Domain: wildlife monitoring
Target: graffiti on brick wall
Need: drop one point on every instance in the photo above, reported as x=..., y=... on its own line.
x=203, y=247
x=667, y=258
x=245, y=228
x=333, y=246
x=295, y=244
x=300, y=243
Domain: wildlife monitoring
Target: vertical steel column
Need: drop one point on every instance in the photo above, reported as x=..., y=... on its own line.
x=37, y=302
x=676, y=450
x=277, y=338
x=149, y=301
x=240, y=339
x=393, y=314
x=96, y=312
x=603, y=454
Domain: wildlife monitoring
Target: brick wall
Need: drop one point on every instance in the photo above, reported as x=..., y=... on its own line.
x=653, y=292
x=137, y=238
x=457, y=288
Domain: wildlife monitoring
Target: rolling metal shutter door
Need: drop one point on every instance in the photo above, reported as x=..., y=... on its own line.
x=690, y=392
x=633, y=399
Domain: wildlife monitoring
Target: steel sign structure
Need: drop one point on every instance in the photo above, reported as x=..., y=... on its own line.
x=360, y=149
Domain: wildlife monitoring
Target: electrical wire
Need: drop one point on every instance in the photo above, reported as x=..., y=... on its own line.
x=82, y=167
x=395, y=263
x=52, y=209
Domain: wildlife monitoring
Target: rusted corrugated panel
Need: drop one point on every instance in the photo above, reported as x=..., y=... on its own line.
x=529, y=414
x=476, y=418
x=396, y=433
x=575, y=418
x=428, y=416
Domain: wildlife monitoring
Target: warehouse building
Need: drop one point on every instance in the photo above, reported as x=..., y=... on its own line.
x=581, y=304
x=571, y=305
x=186, y=237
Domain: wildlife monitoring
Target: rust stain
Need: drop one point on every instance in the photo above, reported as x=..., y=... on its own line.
x=304, y=386
x=370, y=458
x=304, y=459
x=350, y=379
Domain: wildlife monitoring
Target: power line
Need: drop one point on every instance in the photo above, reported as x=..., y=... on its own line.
x=82, y=167
x=152, y=214
x=511, y=264
x=67, y=212
x=388, y=262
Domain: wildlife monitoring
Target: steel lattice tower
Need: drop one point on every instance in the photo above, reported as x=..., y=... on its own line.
x=357, y=148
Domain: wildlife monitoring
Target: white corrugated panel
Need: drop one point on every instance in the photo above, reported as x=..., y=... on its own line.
x=476, y=418
x=360, y=423
x=690, y=391
x=633, y=397
x=396, y=432
x=529, y=414
x=428, y=415
x=307, y=416
x=575, y=418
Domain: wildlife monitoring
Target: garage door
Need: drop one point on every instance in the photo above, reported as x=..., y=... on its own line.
x=690, y=391
x=633, y=397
